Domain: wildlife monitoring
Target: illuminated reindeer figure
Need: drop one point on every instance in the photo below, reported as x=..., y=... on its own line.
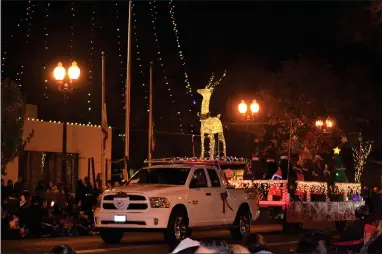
x=210, y=125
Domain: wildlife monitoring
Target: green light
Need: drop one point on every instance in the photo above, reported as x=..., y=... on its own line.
x=336, y=174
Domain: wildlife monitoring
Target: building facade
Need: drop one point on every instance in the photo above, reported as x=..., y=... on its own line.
x=42, y=156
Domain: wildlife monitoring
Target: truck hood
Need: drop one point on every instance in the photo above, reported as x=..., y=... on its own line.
x=148, y=188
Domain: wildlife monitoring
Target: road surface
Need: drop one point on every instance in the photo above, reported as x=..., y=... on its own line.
x=148, y=242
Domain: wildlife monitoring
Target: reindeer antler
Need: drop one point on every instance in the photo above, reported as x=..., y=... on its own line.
x=210, y=82
x=218, y=82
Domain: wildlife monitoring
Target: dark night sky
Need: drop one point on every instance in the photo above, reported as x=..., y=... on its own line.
x=242, y=37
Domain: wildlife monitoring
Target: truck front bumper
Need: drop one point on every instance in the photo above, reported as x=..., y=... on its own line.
x=151, y=219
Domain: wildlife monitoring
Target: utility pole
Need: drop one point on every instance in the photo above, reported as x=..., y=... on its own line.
x=127, y=94
x=103, y=120
x=150, y=115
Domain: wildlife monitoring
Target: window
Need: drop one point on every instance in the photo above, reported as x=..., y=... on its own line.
x=199, y=179
x=215, y=182
x=173, y=176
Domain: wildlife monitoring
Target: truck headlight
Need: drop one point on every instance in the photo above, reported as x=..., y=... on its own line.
x=159, y=202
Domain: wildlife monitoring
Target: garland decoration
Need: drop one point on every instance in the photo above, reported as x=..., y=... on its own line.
x=171, y=7
x=90, y=61
x=153, y=14
x=46, y=35
x=120, y=58
x=11, y=35
x=72, y=25
x=138, y=56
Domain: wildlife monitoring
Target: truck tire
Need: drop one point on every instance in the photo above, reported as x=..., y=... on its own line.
x=242, y=225
x=177, y=228
x=111, y=236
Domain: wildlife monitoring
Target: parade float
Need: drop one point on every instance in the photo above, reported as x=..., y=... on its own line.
x=296, y=200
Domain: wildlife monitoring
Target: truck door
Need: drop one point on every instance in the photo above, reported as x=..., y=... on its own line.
x=198, y=204
x=214, y=191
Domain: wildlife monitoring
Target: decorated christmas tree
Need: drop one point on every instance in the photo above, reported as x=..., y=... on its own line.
x=340, y=175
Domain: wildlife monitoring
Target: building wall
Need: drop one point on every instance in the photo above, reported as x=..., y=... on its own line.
x=84, y=140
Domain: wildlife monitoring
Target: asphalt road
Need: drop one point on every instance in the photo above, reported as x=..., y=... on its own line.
x=150, y=242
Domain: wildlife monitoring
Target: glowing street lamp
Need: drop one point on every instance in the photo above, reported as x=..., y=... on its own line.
x=243, y=107
x=59, y=74
x=325, y=126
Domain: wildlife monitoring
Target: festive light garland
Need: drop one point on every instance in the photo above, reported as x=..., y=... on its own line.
x=153, y=14
x=171, y=7
x=90, y=62
x=138, y=56
x=28, y=19
x=72, y=25
x=46, y=34
x=79, y=124
x=360, y=155
x=5, y=52
x=120, y=58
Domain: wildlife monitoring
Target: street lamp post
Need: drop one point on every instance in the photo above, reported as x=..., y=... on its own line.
x=64, y=81
x=325, y=125
x=254, y=109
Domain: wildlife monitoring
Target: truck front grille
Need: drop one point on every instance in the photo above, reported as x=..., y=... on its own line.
x=131, y=197
x=122, y=199
x=111, y=206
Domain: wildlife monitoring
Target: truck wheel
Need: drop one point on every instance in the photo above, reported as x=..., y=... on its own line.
x=340, y=226
x=177, y=228
x=111, y=236
x=242, y=225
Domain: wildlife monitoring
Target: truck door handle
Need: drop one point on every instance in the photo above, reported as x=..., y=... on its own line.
x=208, y=194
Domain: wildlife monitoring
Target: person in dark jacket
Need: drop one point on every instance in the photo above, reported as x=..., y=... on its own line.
x=40, y=190
x=19, y=186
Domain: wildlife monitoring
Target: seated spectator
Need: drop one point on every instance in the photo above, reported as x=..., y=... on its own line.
x=62, y=249
x=313, y=242
x=220, y=247
x=187, y=246
x=256, y=244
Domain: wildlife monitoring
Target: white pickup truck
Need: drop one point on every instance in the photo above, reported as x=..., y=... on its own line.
x=173, y=199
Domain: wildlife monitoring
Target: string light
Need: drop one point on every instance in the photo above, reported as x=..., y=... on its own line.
x=46, y=35
x=11, y=35
x=138, y=56
x=28, y=20
x=360, y=155
x=79, y=124
x=90, y=62
x=153, y=14
x=72, y=25
x=171, y=7
x=120, y=58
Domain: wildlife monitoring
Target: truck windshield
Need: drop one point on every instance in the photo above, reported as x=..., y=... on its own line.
x=172, y=176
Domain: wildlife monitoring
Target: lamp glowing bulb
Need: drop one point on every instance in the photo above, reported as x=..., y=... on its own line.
x=74, y=71
x=254, y=107
x=59, y=72
x=243, y=107
x=319, y=123
x=329, y=123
